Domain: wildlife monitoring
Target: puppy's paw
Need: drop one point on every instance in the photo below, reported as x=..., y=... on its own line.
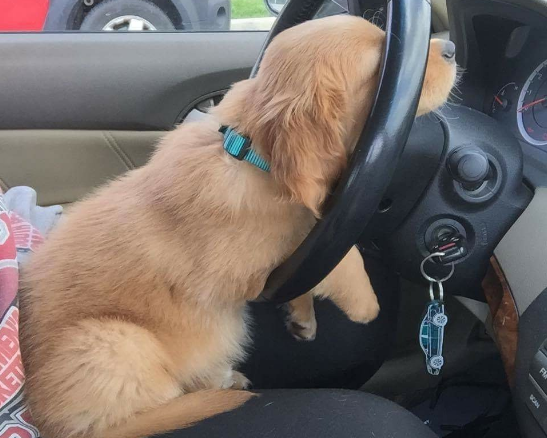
x=302, y=330
x=365, y=311
x=239, y=381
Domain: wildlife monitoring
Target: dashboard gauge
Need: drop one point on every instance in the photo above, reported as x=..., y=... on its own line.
x=532, y=107
x=504, y=98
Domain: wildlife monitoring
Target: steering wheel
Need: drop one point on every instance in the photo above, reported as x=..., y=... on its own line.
x=378, y=149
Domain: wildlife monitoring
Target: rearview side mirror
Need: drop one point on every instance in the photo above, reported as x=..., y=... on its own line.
x=275, y=6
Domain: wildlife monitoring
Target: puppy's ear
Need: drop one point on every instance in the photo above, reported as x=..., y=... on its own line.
x=306, y=141
x=298, y=125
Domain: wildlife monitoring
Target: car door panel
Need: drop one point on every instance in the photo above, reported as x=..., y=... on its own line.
x=65, y=165
x=79, y=109
x=136, y=81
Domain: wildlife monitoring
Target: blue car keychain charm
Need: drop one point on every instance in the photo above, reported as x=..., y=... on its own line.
x=431, y=334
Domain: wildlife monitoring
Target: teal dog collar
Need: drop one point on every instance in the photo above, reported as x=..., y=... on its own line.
x=240, y=147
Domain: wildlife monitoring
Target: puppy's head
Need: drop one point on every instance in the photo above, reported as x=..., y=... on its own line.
x=312, y=95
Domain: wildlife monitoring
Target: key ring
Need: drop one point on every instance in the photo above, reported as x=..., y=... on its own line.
x=432, y=292
x=431, y=279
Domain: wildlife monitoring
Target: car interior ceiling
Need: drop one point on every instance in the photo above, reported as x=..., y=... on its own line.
x=84, y=108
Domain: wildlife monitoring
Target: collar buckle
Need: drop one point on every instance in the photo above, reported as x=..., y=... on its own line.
x=240, y=147
x=244, y=149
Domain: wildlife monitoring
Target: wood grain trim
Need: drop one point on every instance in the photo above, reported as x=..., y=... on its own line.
x=505, y=317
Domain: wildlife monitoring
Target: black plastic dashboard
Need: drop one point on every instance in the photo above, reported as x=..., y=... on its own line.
x=518, y=95
x=503, y=48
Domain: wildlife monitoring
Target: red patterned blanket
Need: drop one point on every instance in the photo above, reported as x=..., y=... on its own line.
x=16, y=235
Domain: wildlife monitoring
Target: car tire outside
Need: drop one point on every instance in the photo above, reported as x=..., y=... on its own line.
x=126, y=15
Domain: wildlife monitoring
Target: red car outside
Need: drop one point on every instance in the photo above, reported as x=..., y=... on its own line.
x=114, y=15
x=23, y=15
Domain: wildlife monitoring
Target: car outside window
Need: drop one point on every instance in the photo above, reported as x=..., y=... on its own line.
x=159, y=15
x=135, y=15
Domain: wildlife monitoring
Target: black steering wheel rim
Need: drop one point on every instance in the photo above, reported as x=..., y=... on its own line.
x=360, y=189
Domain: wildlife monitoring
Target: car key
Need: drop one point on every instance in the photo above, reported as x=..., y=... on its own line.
x=454, y=247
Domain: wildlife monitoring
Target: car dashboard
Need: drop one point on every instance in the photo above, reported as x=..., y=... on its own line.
x=518, y=96
x=502, y=47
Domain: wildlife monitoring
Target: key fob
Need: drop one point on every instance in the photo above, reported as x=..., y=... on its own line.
x=432, y=336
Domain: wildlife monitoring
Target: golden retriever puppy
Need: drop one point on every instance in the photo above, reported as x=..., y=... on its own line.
x=133, y=311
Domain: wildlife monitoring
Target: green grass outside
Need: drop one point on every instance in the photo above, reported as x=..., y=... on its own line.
x=249, y=9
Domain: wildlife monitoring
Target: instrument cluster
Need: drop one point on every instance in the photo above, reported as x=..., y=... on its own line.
x=519, y=100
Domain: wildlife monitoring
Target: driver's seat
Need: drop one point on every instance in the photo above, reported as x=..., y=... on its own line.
x=344, y=355
x=312, y=413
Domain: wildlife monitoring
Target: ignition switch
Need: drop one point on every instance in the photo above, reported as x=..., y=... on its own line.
x=447, y=239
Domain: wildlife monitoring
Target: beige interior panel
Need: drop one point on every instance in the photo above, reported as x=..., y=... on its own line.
x=521, y=253
x=137, y=146
x=64, y=165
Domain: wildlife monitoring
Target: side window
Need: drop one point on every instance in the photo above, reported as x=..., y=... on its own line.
x=137, y=15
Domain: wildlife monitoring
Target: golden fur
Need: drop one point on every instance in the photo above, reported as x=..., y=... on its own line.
x=133, y=311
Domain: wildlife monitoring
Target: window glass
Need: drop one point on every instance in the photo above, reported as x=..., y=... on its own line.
x=157, y=15
x=134, y=15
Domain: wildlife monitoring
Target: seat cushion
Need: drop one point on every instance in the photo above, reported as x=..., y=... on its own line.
x=312, y=413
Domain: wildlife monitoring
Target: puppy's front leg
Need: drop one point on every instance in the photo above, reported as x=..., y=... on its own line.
x=232, y=380
x=301, y=321
x=348, y=286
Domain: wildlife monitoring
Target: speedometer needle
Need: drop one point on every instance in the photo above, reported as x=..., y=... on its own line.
x=528, y=105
